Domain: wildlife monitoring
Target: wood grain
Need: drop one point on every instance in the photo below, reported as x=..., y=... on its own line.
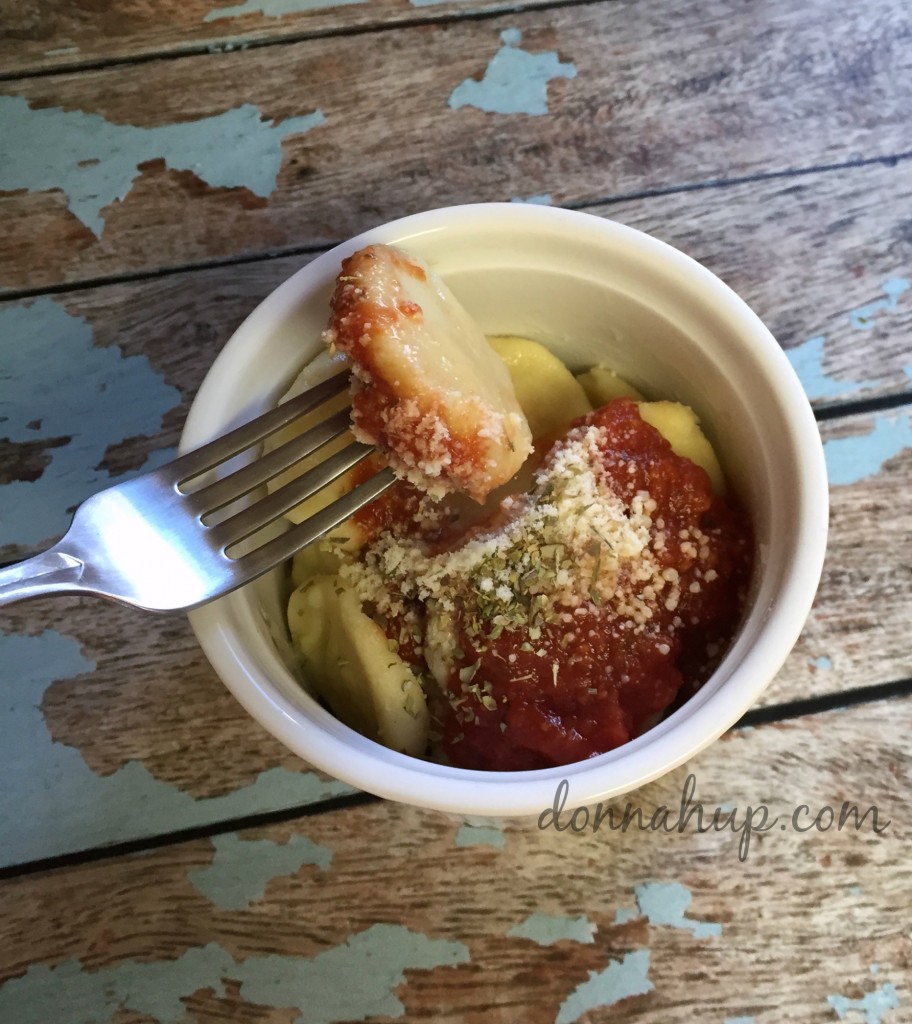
x=45, y=36
x=661, y=97
x=834, y=902
x=856, y=634
x=152, y=698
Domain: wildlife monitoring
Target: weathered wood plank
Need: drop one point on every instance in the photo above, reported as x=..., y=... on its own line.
x=857, y=633
x=46, y=36
x=114, y=728
x=449, y=922
x=329, y=136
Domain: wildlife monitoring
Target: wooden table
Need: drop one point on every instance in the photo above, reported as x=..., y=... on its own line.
x=162, y=168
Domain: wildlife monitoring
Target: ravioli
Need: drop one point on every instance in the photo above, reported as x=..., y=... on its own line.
x=428, y=389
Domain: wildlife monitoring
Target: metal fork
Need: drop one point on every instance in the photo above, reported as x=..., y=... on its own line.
x=147, y=542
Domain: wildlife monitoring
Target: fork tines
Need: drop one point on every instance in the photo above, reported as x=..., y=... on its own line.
x=186, y=467
x=210, y=497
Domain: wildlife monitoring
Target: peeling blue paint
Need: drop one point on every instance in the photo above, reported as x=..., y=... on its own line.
x=353, y=981
x=621, y=979
x=51, y=802
x=664, y=903
x=873, y=1005
x=739, y=1020
x=485, y=832
x=515, y=82
x=546, y=929
x=95, y=161
x=242, y=868
x=807, y=358
x=70, y=993
x=855, y=890
x=89, y=397
x=540, y=200
x=864, y=317
x=807, y=362
x=275, y=8
x=850, y=459
x=823, y=662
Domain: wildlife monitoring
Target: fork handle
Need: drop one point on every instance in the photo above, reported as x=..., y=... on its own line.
x=52, y=571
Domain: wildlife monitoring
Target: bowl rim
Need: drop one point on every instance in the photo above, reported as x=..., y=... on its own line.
x=328, y=745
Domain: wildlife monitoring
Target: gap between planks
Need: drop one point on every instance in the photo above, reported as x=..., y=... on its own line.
x=899, y=689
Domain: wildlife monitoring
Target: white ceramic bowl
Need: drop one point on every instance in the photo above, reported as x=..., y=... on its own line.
x=593, y=291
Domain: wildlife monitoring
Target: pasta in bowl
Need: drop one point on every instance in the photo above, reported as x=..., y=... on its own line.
x=612, y=305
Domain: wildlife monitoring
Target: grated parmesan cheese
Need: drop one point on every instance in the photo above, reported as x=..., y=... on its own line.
x=570, y=543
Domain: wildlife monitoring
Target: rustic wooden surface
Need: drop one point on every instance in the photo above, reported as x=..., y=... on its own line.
x=508, y=922
x=769, y=141
x=45, y=36
x=649, y=90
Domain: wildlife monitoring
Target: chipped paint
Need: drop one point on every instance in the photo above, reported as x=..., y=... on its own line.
x=86, y=398
x=807, y=362
x=664, y=903
x=242, y=868
x=275, y=8
x=621, y=979
x=377, y=958
x=624, y=914
x=546, y=929
x=481, y=832
x=865, y=317
x=739, y=1020
x=94, y=162
x=51, y=802
x=515, y=81
x=850, y=459
x=873, y=1005
x=71, y=993
x=823, y=662
x=353, y=981
x=540, y=200
x=807, y=359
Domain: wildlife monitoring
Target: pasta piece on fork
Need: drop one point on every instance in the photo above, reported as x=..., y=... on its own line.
x=428, y=388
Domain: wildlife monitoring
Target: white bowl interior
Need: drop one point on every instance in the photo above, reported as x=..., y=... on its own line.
x=593, y=291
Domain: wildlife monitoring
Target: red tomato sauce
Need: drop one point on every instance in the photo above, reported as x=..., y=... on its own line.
x=520, y=698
